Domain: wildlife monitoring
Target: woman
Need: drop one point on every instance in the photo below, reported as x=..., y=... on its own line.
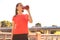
x=20, y=23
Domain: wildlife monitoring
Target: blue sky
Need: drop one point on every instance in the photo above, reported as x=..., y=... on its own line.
x=46, y=12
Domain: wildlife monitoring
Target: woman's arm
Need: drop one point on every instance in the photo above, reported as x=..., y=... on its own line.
x=12, y=29
x=29, y=16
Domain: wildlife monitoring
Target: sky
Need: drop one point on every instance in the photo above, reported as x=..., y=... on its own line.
x=46, y=12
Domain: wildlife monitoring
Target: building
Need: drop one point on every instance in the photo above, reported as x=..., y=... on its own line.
x=44, y=30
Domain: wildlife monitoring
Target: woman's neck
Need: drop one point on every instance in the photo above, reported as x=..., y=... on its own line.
x=19, y=13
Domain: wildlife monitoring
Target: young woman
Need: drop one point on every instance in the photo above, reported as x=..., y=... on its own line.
x=20, y=23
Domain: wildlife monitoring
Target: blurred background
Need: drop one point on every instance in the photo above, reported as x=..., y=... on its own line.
x=45, y=12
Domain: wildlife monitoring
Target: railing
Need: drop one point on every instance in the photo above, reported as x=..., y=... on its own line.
x=5, y=36
x=50, y=37
x=32, y=36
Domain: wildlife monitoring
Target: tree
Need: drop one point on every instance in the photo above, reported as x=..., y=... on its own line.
x=53, y=31
x=9, y=24
x=5, y=23
x=54, y=25
x=38, y=24
x=0, y=24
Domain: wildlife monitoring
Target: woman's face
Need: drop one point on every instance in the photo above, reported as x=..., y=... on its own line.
x=20, y=7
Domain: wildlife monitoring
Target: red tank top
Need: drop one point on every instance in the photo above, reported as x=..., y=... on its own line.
x=21, y=24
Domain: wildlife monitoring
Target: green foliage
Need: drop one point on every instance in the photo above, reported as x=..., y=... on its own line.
x=5, y=23
x=53, y=31
x=38, y=24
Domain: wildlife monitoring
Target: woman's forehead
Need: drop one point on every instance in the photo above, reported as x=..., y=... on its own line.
x=20, y=3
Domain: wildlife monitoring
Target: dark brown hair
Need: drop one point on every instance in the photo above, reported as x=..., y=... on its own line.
x=17, y=9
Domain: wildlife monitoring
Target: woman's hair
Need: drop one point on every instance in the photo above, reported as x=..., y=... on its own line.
x=17, y=9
